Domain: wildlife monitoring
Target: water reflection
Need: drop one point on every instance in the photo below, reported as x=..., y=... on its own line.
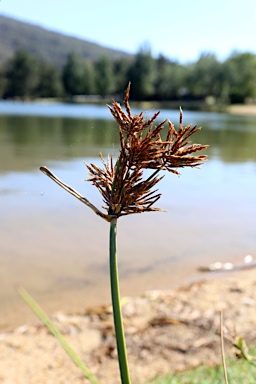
x=26, y=141
x=230, y=144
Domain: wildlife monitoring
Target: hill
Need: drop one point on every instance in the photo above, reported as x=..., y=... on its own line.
x=52, y=47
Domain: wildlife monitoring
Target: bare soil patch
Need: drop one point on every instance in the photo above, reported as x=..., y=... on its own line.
x=166, y=331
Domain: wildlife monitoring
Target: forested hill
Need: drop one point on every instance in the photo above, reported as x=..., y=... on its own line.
x=51, y=47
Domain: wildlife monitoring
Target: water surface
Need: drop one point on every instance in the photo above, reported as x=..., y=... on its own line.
x=58, y=249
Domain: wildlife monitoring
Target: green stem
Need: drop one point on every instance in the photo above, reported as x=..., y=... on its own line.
x=120, y=339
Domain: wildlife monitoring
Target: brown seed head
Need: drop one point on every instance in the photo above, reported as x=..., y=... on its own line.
x=122, y=186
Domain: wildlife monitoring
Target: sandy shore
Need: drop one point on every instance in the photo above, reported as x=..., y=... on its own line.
x=166, y=331
x=242, y=109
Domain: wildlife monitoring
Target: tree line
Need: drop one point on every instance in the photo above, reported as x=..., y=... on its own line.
x=231, y=81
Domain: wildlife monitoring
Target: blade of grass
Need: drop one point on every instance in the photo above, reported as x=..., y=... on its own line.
x=222, y=348
x=56, y=333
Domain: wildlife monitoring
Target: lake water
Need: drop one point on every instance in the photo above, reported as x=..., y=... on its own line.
x=58, y=249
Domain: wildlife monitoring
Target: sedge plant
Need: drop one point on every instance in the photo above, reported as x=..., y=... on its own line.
x=126, y=191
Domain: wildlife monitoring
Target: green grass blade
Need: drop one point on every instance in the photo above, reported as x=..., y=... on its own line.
x=56, y=333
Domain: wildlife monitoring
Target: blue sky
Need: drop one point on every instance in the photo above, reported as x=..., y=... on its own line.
x=180, y=29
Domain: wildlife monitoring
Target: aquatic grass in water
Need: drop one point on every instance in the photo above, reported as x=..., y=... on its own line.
x=124, y=189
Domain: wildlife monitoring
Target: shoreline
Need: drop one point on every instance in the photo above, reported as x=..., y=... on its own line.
x=77, y=300
x=166, y=331
x=200, y=106
x=76, y=295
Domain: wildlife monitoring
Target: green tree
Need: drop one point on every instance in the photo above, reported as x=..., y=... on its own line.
x=73, y=75
x=21, y=75
x=121, y=68
x=89, y=86
x=170, y=83
x=49, y=84
x=104, y=76
x=2, y=82
x=142, y=75
x=204, y=77
x=240, y=76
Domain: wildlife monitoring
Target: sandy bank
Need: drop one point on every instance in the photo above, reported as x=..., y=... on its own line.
x=242, y=109
x=166, y=331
